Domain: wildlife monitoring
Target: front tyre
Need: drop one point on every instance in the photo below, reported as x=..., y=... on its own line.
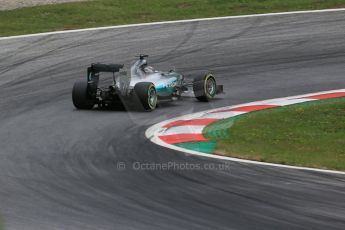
x=80, y=96
x=205, y=87
x=147, y=95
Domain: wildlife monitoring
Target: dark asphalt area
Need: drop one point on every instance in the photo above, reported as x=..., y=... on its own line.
x=58, y=166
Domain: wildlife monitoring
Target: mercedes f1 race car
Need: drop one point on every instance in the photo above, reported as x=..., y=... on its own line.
x=141, y=86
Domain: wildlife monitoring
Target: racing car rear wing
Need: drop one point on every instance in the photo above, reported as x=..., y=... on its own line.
x=110, y=68
x=94, y=69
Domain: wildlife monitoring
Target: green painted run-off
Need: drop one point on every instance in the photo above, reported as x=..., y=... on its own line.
x=204, y=147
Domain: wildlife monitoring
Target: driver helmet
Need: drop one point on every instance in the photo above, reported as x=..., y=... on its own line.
x=149, y=69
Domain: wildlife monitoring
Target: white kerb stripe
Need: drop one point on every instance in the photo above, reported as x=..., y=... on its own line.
x=289, y=102
x=221, y=115
x=190, y=129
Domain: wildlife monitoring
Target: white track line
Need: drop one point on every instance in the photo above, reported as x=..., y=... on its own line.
x=153, y=134
x=173, y=22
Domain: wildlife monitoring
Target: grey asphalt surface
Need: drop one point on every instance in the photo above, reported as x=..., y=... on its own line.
x=58, y=166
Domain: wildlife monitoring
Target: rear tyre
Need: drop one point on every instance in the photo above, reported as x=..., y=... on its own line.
x=80, y=96
x=147, y=95
x=205, y=87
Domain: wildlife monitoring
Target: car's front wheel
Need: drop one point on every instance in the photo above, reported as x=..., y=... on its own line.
x=205, y=87
x=147, y=95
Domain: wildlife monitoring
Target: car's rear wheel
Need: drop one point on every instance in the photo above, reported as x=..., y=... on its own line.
x=147, y=95
x=80, y=96
x=205, y=87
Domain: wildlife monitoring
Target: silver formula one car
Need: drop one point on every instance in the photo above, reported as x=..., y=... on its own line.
x=142, y=86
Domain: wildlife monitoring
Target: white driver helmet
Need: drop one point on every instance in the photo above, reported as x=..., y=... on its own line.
x=149, y=69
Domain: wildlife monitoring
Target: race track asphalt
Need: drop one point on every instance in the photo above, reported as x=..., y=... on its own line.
x=58, y=166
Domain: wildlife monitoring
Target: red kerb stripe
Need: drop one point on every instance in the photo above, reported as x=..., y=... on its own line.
x=327, y=96
x=205, y=121
x=180, y=138
x=249, y=108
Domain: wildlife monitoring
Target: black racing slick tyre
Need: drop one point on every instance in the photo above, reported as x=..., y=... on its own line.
x=80, y=96
x=205, y=87
x=147, y=95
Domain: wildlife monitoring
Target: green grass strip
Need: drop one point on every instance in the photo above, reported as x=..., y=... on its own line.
x=310, y=134
x=2, y=226
x=118, y=12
